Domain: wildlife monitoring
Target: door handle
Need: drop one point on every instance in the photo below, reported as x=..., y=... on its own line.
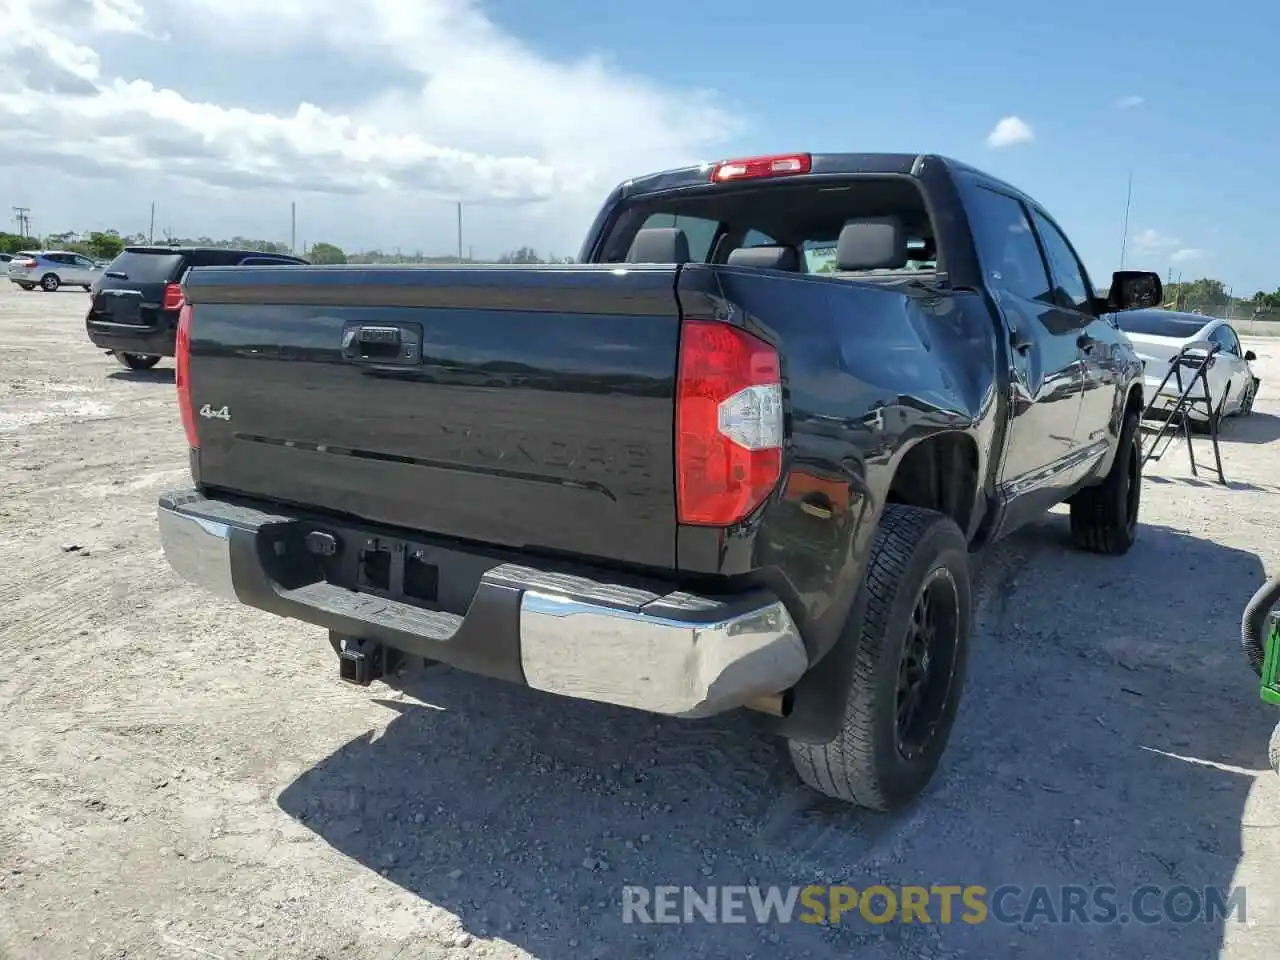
x=1086, y=342
x=1020, y=340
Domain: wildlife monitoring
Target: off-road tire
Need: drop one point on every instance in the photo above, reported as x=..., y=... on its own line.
x=863, y=764
x=1104, y=518
x=1273, y=749
x=135, y=361
x=49, y=283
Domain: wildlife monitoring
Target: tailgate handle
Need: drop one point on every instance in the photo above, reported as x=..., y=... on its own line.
x=398, y=343
x=380, y=335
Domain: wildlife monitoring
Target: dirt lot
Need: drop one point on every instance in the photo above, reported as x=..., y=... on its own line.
x=183, y=778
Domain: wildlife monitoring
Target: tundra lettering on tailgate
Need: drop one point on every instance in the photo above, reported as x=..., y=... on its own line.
x=491, y=446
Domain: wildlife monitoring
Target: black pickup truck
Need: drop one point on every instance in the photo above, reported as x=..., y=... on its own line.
x=738, y=457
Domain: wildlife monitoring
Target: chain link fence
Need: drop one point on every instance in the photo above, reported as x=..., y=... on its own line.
x=1261, y=325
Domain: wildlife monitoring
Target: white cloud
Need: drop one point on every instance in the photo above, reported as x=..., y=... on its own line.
x=1155, y=245
x=1153, y=242
x=476, y=115
x=1009, y=132
x=1129, y=103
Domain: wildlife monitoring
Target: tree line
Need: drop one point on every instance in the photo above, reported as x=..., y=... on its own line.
x=1212, y=298
x=1206, y=295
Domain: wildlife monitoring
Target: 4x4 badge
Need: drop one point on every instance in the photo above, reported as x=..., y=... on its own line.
x=222, y=413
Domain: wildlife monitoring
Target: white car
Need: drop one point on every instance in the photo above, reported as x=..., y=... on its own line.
x=1159, y=335
x=51, y=269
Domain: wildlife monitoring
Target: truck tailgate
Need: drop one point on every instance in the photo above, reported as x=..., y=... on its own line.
x=527, y=407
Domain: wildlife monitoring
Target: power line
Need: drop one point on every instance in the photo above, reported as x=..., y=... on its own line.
x=21, y=216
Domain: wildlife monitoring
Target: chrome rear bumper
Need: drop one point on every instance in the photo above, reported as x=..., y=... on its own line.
x=675, y=654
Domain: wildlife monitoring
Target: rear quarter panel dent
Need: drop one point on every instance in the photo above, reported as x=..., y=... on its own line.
x=866, y=386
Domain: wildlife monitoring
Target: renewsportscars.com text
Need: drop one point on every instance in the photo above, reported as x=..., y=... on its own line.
x=945, y=904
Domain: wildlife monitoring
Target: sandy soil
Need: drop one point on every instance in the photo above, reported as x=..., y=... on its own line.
x=185, y=778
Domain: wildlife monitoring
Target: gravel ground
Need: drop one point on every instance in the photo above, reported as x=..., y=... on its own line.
x=182, y=777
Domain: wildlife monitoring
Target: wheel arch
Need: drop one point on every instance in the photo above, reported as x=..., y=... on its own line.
x=941, y=472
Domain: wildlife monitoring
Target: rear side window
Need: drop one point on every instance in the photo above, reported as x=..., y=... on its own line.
x=147, y=267
x=216, y=258
x=1006, y=245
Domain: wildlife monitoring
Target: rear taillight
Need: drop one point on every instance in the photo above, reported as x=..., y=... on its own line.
x=27, y=264
x=729, y=423
x=755, y=168
x=173, y=298
x=182, y=375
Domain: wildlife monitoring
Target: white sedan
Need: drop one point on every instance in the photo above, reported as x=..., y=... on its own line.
x=1159, y=335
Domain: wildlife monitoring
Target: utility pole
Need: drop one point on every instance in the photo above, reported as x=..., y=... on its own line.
x=293, y=227
x=1128, y=202
x=21, y=216
x=459, y=231
x=151, y=231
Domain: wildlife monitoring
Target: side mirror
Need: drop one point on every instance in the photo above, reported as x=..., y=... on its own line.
x=1250, y=356
x=1135, y=290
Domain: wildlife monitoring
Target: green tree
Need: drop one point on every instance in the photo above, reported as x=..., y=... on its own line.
x=105, y=245
x=1207, y=295
x=326, y=253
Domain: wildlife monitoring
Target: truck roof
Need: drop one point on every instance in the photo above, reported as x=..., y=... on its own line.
x=821, y=164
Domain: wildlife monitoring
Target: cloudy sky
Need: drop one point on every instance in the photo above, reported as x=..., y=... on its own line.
x=375, y=116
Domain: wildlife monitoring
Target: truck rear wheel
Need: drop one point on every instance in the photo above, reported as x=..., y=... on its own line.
x=1104, y=519
x=912, y=652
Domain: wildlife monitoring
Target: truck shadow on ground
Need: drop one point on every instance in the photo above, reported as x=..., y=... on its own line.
x=1109, y=735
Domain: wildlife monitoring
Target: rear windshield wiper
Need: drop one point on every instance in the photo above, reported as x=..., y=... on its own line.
x=116, y=275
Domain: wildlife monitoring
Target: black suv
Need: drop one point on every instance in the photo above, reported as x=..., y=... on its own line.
x=133, y=314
